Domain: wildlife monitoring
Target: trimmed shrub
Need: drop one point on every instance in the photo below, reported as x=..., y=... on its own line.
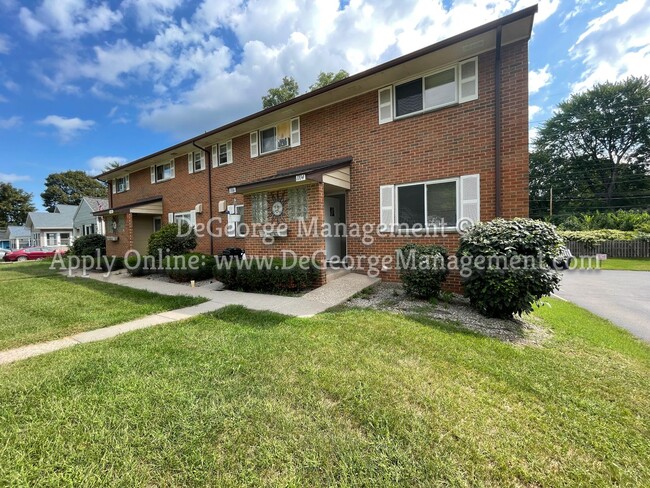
x=505, y=265
x=190, y=266
x=268, y=276
x=141, y=265
x=88, y=245
x=425, y=270
x=172, y=240
x=117, y=264
x=593, y=237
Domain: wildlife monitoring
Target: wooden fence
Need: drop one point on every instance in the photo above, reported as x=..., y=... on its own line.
x=614, y=249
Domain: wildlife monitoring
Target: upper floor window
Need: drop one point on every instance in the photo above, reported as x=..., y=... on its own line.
x=448, y=86
x=222, y=154
x=121, y=184
x=280, y=136
x=195, y=161
x=163, y=172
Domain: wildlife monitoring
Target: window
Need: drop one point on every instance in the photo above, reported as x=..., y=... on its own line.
x=297, y=203
x=157, y=223
x=195, y=161
x=185, y=217
x=64, y=239
x=234, y=227
x=51, y=239
x=162, y=172
x=281, y=136
x=448, y=86
x=222, y=154
x=121, y=184
x=89, y=229
x=259, y=208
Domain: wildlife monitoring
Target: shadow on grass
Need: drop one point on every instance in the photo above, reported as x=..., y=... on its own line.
x=26, y=270
x=242, y=316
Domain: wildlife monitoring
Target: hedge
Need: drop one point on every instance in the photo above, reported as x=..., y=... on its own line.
x=256, y=276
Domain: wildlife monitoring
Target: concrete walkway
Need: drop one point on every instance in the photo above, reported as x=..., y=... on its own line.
x=308, y=305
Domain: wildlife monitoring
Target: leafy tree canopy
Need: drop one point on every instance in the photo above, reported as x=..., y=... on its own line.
x=286, y=91
x=594, y=151
x=326, y=78
x=69, y=187
x=15, y=204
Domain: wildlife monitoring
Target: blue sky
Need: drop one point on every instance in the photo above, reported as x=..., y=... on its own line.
x=87, y=82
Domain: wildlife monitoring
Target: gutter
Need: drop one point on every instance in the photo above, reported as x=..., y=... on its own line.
x=497, y=125
x=208, y=160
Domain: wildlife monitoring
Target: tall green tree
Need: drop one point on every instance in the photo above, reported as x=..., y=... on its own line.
x=69, y=187
x=594, y=151
x=326, y=78
x=286, y=91
x=15, y=204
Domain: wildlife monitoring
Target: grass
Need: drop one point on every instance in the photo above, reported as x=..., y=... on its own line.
x=38, y=304
x=352, y=397
x=627, y=264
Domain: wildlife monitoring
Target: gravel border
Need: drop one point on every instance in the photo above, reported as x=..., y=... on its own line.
x=390, y=297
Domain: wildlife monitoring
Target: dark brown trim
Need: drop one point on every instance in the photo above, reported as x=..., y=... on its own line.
x=522, y=14
x=109, y=211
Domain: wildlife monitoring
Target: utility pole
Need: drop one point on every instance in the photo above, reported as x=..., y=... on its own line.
x=550, y=203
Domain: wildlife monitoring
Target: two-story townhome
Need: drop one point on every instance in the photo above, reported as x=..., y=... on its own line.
x=413, y=148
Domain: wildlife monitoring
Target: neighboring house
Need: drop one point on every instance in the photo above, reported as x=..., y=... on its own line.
x=84, y=220
x=52, y=228
x=15, y=237
x=438, y=137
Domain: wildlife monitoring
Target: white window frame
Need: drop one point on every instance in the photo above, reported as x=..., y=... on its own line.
x=172, y=172
x=188, y=217
x=422, y=77
x=216, y=154
x=125, y=184
x=294, y=137
x=426, y=210
x=192, y=160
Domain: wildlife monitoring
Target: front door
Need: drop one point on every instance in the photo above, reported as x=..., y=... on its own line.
x=334, y=214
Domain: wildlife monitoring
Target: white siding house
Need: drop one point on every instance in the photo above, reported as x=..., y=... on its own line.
x=84, y=222
x=53, y=229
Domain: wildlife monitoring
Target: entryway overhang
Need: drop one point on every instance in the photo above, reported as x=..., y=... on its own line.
x=333, y=172
x=150, y=206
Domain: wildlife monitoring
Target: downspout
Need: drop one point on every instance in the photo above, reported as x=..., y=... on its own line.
x=497, y=125
x=208, y=158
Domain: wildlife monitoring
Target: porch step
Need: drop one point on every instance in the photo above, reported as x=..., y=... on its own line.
x=335, y=274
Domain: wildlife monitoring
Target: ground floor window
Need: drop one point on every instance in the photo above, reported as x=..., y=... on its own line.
x=64, y=238
x=432, y=204
x=185, y=217
x=89, y=229
x=157, y=223
x=51, y=239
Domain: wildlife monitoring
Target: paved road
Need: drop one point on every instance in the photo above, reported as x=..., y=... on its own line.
x=620, y=296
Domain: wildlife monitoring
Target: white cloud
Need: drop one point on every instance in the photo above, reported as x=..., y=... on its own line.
x=98, y=164
x=68, y=18
x=68, y=128
x=4, y=44
x=538, y=79
x=614, y=45
x=13, y=177
x=152, y=12
x=546, y=8
x=533, y=110
x=11, y=122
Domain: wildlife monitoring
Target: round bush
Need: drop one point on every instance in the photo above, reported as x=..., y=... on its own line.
x=88, y=245
x=172, y=240
x=505, y=265
x=424, y=270
x=190, y=266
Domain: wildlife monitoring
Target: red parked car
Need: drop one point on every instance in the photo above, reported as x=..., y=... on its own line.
x=32, y=253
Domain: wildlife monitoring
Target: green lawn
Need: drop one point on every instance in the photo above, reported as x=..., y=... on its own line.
x=38, y=304
x=629, y=264
x=345, y=398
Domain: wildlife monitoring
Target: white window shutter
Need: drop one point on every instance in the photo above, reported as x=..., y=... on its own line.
x=468, y=80
x=470, y=201
x=128, y=185
x=254, y=145
x=190, y=163
x=295, y=132
x=114, y=186
x=170, y=217
x=385, y=96
x=229, y=151
x=387, y=207
x=173, y=168
x=153, y=174
x=230, y=227
x=215, y=155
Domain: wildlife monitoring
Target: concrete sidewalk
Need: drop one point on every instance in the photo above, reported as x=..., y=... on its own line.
x=308, y=305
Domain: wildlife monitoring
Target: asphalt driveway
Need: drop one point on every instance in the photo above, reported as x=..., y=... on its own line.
x=620, y=296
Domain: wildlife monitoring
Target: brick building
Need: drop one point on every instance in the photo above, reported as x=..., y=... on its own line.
x=413, y=150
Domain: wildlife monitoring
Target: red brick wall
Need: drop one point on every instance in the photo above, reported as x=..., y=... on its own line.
x=450, y=142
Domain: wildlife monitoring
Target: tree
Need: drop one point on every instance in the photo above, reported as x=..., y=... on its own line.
x=594, y=151
x=326, y=78
x=15, y=204
x=286, y=91
x=69, y=187
x=111, y=165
